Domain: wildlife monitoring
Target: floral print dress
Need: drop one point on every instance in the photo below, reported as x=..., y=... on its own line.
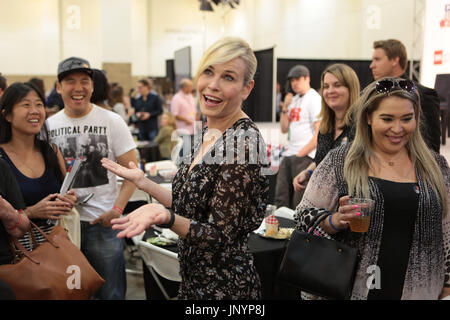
x=225, y=197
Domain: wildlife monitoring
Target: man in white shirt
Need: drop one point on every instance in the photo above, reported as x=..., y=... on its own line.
x=301, y=121
x=92, y=133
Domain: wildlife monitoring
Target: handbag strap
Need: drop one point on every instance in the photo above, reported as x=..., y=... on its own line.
x=32, y=224
x=347, y=234
x=32, y=237
x=318, y=221
x=24, y=251
x=15, y=243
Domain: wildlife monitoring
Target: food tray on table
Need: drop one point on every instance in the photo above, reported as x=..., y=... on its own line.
x=283, y=234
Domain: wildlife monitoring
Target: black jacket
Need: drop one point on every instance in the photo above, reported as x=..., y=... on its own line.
x=430, y=125
x=9, y=190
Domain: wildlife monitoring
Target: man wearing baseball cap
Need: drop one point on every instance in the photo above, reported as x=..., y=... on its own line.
x=300, y=120
x=83, y=126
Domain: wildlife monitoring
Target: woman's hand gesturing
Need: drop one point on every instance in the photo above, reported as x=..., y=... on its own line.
x=133, y=174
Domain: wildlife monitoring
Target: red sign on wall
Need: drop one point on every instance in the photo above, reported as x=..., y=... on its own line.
x=445, y=23
x=438, y=57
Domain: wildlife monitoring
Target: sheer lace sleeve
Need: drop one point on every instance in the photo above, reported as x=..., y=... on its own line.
x=321, y=195
x=446, y=221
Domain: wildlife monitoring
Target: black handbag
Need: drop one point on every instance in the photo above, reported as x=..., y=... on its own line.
x=318, y=265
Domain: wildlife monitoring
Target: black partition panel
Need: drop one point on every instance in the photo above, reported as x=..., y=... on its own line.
x=258, y=105
x=316, y=68
x=170, y=70
x=182, y=65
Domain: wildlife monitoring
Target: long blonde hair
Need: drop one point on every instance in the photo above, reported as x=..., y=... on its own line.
x=348, y=78
x=357, y=162
x=171, y=122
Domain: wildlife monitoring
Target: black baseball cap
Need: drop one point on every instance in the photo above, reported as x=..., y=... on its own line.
x=298, y=71
x=73, y=64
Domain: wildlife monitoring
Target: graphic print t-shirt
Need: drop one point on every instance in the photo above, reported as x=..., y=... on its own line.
x=303, y=112
x=101, y=133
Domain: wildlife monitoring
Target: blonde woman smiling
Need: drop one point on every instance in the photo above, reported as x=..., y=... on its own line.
x=219, y=193
x=340, y=90
x=409, y=233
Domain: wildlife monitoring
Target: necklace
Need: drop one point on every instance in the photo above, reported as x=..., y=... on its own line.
x=390, y=163
x=22, y=163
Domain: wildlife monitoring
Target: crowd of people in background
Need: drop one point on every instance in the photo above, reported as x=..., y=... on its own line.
x=380, y=142
x=153, y=116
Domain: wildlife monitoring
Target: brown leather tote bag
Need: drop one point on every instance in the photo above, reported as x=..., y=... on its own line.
x=54, y=270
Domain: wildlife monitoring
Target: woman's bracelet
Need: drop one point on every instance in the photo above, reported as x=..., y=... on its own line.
x=332, y=225
x=18, y=220
x=309, y=172
x=170, y=223
x=118, y=209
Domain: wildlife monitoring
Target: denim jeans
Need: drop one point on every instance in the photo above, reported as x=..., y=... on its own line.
x=104, y=251
x=147, y=135
x=285, y=195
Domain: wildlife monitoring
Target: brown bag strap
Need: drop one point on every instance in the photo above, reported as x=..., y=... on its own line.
x=17, y=246
x=32, y=237
x=24, y=251
x=32, y=224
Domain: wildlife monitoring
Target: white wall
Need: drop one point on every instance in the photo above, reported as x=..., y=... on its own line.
x=436, y=50
x=116, y=30
x=327, y=29
x=81, y=29
x=139, y=37
x=147, y=32
x=176, y=24
x=29, y=36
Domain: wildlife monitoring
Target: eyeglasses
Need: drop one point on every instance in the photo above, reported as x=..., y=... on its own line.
x=389, y=85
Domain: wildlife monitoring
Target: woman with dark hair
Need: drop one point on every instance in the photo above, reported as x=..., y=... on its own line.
x=101, y=89
x=38, y=166
x=117, y=102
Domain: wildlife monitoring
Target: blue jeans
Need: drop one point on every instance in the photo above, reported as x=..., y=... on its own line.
x=285, y=195
x=147, y=135
x=104, y=251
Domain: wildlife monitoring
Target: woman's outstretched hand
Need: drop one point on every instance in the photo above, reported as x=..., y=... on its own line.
x=140, y=219
x=132, y=174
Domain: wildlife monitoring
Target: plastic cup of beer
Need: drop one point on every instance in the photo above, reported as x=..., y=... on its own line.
x=365, y=207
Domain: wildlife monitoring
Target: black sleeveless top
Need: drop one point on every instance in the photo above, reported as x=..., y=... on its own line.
x=10, y=191
x=34, y=190
x=400, y=209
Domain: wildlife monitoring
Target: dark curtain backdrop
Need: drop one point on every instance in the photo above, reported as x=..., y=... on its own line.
x=170, y=69
x=258, y=105
x=316, y=68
